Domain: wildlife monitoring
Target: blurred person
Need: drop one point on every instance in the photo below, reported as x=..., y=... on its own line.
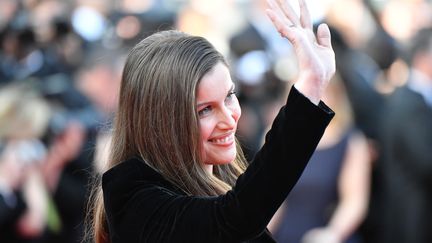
x=65, y=48
x=366, y=54
x=43, y=15
x=384, y=49
x=67, y=172
x=24, y=116
x=60, y=43
x=68, y=138
x=22, y=56
x=330, y=200
x=54, y=189
x=371, y=72
x=39, y=41
x=359, y=73
x=174, y=161
x=18, y=43
x=363, y=54
x=71, y=136
x=99, y=79
x=406, y=143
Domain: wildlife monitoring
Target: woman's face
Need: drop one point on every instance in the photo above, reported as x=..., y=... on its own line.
x=218, y=111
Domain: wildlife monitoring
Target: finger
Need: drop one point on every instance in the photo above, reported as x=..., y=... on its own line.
x=324, y=36
x=281, y=27
x=278, y=12
x=289, y=12
x=305, y=17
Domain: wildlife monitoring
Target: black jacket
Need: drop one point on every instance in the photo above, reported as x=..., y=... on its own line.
x=142, y=206
x=407, y=168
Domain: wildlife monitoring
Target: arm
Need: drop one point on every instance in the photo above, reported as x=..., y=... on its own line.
x=33, y=221
x=64, y=149
x=13, y=173
x=353, y=188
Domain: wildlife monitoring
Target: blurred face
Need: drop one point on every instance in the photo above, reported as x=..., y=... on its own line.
x=218, y=111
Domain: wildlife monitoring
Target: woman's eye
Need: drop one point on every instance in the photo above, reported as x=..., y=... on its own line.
x=230, y=96
x=203, y=112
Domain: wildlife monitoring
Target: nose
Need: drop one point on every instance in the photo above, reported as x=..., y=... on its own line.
x=227, y=118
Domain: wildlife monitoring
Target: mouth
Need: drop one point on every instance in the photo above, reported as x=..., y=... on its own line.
x=224, y=140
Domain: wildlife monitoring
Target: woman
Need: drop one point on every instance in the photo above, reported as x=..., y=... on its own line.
x=174, y=162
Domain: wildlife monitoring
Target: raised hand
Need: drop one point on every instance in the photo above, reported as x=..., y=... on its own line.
x=314, y=53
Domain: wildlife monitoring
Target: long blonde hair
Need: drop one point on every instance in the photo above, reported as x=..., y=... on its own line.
x=157, y=118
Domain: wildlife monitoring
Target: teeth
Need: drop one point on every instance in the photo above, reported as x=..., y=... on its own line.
x=227, y=139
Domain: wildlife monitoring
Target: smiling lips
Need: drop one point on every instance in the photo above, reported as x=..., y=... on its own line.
x=225, y=140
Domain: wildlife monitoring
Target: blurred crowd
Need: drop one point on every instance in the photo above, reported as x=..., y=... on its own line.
x=370, y=179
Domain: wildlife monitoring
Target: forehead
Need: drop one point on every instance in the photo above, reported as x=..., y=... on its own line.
x=215, y=84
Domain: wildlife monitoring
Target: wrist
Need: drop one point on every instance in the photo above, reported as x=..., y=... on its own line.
x=312, y=85
x=309, y=89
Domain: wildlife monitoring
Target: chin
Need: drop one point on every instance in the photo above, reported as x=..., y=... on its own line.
x=221, y=160
x=226, y=159
x=216, y=155
x=224, y=162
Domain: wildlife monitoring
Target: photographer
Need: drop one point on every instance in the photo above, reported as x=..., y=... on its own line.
x=23, y=200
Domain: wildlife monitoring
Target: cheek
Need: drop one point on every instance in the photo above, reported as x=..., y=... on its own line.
x=206, y=129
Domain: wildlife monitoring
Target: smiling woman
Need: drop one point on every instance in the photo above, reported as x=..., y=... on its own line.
x=219, y=112
x=176, y=172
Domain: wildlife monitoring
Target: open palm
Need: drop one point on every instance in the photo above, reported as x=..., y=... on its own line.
x=315, y=55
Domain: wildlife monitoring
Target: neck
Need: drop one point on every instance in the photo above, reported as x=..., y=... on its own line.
x=209, y=168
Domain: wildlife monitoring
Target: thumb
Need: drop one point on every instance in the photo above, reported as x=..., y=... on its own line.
x=324, y=36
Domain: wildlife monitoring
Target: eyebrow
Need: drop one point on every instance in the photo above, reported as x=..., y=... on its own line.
x=229, y=91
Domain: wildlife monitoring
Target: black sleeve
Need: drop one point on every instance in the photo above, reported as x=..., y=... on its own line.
x=155, y=214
